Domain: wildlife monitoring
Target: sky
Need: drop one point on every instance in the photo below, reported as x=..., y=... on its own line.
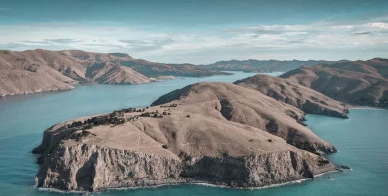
x=200, y=31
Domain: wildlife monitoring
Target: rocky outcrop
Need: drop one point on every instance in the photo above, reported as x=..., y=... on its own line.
x=306, y=99
x=355, y=82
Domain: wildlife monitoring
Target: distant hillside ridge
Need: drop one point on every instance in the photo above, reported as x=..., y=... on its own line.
x=363, y=83
x=306, y=99
x=263, y=66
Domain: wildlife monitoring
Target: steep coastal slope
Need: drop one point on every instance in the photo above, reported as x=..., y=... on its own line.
x=306, y=99
x=43, y=70
x=261, y=66
x=356, y=82
x=209, y=132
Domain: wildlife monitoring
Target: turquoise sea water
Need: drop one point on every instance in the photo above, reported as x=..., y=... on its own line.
x=361, y=140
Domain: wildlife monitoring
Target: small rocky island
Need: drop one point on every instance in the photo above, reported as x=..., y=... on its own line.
x=217, y=133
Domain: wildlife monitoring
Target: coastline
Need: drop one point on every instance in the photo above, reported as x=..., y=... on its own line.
x=201, y=183
x=366, y=108
x=37, y=92
x=361, y=107
x=164, y=78
x=67, y=89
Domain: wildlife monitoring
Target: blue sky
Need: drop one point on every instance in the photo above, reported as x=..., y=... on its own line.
x=195, y=31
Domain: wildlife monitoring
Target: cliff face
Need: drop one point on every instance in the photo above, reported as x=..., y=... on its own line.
x=216, y=133
x=93, y=168
x=257, y=170
x=354, y=82
x=306, y=99
x=90, y=168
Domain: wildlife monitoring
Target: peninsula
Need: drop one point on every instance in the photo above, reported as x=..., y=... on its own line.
x=39, y=70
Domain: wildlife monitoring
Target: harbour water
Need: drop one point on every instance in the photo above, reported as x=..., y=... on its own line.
x=361, y=140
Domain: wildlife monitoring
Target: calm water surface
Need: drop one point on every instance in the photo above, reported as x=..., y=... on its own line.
x=361, y=140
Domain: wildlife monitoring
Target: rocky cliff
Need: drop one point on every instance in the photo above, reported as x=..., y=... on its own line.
x=93, y=168
x=215, y=133
x=306, y=99
x=90, y=168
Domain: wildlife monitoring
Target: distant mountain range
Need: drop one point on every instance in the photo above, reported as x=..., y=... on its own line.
x=43, y=70
x=354, y=82
x=263, y=66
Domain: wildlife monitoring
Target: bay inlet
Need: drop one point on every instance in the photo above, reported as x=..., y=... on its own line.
x=361, y=140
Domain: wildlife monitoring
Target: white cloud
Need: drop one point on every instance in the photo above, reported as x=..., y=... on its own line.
x=61, y=40
x=380, y=25
x=321, y=40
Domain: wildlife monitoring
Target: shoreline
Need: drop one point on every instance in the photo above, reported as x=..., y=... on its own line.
x=82, y=84
x=361, y=107
x=200, y=183
x=37, y=92
x=367, y=108
x=152, y=80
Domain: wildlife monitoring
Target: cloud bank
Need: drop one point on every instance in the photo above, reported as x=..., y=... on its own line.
x=319, y=40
